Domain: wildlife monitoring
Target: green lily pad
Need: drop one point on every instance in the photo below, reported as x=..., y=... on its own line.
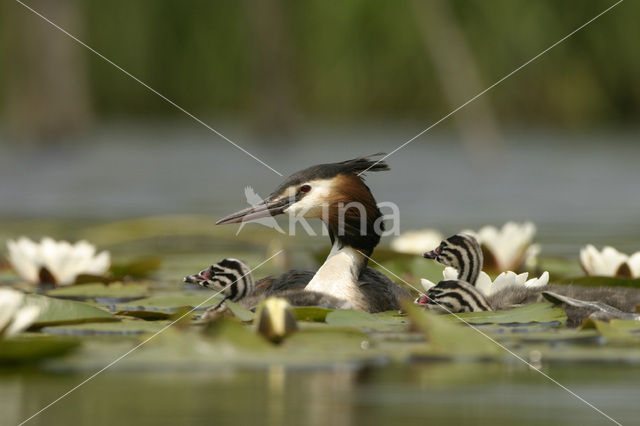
x=243, y=314
x=602, y=281
x=57, y=311
x=106, y=293
x=620, y=331
x=532, y=313
x=450, y=337
x=226, y=344
x=311, y=313
x=125, y=327
x=541, y=334
x=320, y=340
x=364, y=320
x=137, y=269
x=162, y=307
x=233, y=332
x=31, y=347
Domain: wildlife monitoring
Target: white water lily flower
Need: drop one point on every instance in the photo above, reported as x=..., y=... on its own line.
x=509, y=247
x=14, y=317
x=609, y=262
x=488, y=287
x=62, y=260
x=417, y=242
x=509, y=279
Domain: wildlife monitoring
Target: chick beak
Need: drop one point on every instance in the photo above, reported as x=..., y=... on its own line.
x=430, y=254
x=264, y=209
x=422, y=300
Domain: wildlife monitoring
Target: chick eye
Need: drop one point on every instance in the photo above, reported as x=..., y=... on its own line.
x=305, y=188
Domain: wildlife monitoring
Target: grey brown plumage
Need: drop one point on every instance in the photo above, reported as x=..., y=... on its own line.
x=460, y=296
x=381, y=293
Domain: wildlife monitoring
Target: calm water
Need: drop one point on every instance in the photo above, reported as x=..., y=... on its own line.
x=436, y=393
x=577, y=188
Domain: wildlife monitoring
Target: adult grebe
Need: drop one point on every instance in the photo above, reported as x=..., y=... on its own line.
x=336, y=194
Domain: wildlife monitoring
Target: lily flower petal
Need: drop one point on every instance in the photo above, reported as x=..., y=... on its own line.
x=508, y=246
x=634, y=264
x=426, y=284
x=483, y=283
x=14, y=317
x=23, y=256
x=541, y=281
x=22, y=320
x=417, y=242
x=510, y=279
x=63, y=261
x=607, y=262
x=10, y=300
x=450, y=273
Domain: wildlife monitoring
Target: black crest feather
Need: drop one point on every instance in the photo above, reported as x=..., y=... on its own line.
x=329, y=170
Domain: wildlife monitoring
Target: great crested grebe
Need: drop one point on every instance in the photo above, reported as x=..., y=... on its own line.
x=463, y=253
x=336, y=194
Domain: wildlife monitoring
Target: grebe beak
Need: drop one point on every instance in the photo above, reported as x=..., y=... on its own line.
x=264, y=209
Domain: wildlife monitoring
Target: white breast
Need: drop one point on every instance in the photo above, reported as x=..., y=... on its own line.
x=338, y=276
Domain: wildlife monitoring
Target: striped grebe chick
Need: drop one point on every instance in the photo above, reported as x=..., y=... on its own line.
x=336, y=194
x=459, y=295
x=463, y=253
x=232, y=278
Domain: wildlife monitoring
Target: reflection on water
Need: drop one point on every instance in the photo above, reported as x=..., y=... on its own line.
x=437, y=393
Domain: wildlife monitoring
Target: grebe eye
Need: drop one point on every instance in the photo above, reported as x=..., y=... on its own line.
x=438, y=250
x=305, y=188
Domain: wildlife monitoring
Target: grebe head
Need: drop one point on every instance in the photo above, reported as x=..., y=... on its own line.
x=462, y=252
x=334, y=192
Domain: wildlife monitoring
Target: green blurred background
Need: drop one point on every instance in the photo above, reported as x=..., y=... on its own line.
x=277, y=62
x=303, y=82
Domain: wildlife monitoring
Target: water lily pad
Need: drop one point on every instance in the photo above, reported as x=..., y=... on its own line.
x=125, y=327
x=243, y=314
x=620, y=331
x=56, y=311
x=328, y=341
x=449, y=337
x=232, y=331
x=541, y=334
x=31, y=347
x=532, y=313
x=311, y=313
x=137, y=269
x=364, y=320
x=226, y=344
x=112, y=293
x=162, y=307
